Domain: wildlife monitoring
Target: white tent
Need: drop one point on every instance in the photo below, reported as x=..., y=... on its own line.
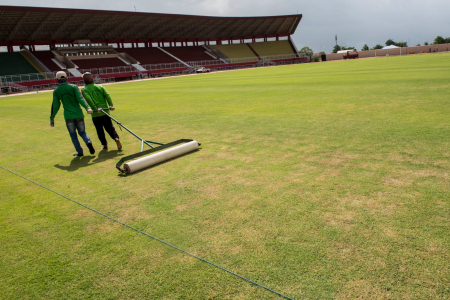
x=390, y=47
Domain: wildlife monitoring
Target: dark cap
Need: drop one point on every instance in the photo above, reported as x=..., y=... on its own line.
x=87, y=73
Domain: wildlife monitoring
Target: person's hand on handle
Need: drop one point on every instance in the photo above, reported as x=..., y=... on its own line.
x=99, y=109
x=112, y=108
x=52, y=123
x=90, y=111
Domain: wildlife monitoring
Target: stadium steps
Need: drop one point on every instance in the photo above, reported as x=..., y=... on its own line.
x=124, y=60
x=235, y=51
x=47, y=58
x=254, y=52
x=272, y=48
x=208, y=52
x=174, y=57
x=139, y=67
x=14, y=63
x=74, y=72
x=216, y=53
x=95, y=63
x=148, y=56
x=190, y=53
x=34, y=61
x=63, y=67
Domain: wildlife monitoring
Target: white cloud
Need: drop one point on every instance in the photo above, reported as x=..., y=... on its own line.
x=355, y=22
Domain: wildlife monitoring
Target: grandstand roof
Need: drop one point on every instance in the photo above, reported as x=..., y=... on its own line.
x=39, y=25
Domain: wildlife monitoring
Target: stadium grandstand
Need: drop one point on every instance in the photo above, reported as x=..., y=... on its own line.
x=115, y=45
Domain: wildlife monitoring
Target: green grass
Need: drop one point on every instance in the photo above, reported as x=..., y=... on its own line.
x=321, y=181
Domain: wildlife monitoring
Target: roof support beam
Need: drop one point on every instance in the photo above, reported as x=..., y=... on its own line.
x=187, y=29
x=292, y=26
x=160, y=28
x=80, y=29
x=22, y=19
x=63, y=25
x=133, y=30
x=238, y=31
x=226, y=24
x=281, y=25
x=119, y=30
x=149, y=28
x=271, y=25
x=104, y=25
x=33, y=35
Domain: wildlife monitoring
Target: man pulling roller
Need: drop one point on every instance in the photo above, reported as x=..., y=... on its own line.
x=71, y=100
x=97, y=97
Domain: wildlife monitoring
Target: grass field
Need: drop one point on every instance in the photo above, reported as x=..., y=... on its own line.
x=320, y=181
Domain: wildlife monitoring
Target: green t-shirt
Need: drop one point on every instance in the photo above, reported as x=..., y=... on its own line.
x=70, y=97
x=97, y=97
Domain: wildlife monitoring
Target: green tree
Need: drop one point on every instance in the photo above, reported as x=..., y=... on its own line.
x=425, y=44
x=347, y=48
x=336, y=49
x=377, y=47
x=418, y=45
x=390, y=42
x=439, y=40
x=365, y=48
x=308, y=51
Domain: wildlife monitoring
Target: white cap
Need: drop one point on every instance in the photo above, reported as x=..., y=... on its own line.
x=61, y=75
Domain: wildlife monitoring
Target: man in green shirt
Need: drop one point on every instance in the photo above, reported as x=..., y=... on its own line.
x=70, y=97
x=97, y=97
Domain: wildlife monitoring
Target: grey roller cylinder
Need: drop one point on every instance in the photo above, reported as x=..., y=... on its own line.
x=159, y=157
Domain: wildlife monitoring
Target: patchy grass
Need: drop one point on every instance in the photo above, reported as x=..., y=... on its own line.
x=320, y=181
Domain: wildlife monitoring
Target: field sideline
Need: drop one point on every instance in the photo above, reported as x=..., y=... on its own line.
x=320, y=181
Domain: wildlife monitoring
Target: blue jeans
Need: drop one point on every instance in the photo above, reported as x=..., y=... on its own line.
x=74, y=125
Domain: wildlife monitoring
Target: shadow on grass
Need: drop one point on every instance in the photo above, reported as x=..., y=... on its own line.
x=160, y=164
x=85, y=161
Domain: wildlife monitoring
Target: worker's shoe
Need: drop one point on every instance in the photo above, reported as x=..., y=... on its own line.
x=91, y=148
x=78, y=154
x=119, y=144
x=105, y=147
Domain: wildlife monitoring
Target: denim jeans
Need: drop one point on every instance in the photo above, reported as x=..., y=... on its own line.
x=74, y=125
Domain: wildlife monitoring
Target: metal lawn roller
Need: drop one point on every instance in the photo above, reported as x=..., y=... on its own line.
x=155, y=155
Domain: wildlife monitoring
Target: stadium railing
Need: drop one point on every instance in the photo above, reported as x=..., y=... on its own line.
x=110, y=70
x=177, y=66
x=27, y=77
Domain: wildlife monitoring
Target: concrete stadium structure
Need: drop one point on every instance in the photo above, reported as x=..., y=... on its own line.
x=118, y=45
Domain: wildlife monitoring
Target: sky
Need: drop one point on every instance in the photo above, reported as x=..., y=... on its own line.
x=354, y=22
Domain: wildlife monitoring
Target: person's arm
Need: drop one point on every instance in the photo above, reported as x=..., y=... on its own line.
x=80, y=99
x=107, y=97
x=56, y=104
x=89, y=100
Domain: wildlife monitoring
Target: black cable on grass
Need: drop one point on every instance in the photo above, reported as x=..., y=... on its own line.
x=149, y=235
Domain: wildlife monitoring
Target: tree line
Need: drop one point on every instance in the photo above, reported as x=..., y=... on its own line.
x=438, y=40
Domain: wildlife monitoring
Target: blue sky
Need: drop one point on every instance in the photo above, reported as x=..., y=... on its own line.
x=355, y=22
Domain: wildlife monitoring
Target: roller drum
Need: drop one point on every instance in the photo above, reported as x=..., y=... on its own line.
x=159, y=157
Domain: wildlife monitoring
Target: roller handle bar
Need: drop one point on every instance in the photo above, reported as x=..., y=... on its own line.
x=121, y=125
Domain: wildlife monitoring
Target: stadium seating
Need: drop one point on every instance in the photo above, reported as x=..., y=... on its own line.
x=192, y=53
x=147, y=56
x=98, y=63
x=235, y=50
x=46, y=58
x=14, y=63
x=272, y=48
